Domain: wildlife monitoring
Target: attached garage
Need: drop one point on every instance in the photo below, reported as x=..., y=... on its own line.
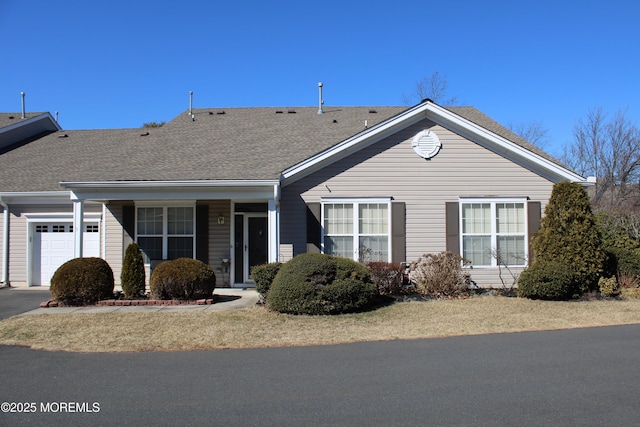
x=53, y=246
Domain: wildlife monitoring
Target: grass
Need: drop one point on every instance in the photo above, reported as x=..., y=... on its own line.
x=258, y=327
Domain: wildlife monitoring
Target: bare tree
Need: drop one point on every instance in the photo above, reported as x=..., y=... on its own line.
x=609, y=150
x=433, y=87
x=533, y=132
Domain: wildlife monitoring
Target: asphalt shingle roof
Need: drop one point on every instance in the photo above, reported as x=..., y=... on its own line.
x=218, y=144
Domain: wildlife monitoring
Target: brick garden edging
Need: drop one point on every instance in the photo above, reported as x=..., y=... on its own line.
x=133, y=302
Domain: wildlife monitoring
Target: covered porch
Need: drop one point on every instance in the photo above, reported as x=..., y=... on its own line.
x=229, y=225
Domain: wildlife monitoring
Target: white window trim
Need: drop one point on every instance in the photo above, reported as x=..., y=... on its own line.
x=492, y=201
x=165, y=220
x=356, y=232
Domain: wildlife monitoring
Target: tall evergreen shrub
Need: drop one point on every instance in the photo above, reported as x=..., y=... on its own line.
x=133, y=274
x=569, y=234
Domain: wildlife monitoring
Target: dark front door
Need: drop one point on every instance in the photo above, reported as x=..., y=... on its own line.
x=251, y=244
x=257, y=241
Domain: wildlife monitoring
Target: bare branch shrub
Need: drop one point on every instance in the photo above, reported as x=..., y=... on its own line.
x=441, y=275
x=388, y=277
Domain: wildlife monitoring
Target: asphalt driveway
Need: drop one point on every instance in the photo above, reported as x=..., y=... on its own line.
x=582, y=377
x=20, y=300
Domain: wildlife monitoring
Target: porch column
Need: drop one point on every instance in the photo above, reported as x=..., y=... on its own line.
x=5, y=242
x=274, y=230
x=78, y=212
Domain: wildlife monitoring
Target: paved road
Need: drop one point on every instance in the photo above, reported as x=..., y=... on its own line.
x=578, y=377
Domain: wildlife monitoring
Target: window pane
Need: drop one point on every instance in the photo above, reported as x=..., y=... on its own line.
x=476, y=218
x=372, y=218
x=510, y=217
x=149, y=221
x=339, y=246
x=338, y=218
x=180, y=220
x=151, y=248
x=477, y=249
x=374, y=248
x=180, y=247
x=511, y=250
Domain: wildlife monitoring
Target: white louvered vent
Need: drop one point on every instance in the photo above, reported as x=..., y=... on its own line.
x=426, y=144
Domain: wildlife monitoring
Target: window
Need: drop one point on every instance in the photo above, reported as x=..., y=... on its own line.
x=165, y=232
x=494, y=232
x=357, y=229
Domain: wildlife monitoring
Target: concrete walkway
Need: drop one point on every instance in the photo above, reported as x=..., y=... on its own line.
x=226, y=299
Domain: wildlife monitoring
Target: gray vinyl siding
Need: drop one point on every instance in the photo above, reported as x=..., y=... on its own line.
x=390, y=168
x=219, y=239
x=114, y=239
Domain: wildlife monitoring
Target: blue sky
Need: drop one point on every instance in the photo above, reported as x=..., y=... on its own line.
x=122, y=63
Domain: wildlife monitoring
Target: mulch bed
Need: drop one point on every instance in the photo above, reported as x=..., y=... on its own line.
x=131, y=302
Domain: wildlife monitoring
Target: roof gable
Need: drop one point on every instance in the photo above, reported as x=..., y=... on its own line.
x=465, y=121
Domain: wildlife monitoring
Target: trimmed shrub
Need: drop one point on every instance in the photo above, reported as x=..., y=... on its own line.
x=347, y=295
x=387, y=276
x=321, y=284
x=133, y=275
x=569, y=233
x=349, y=269
x=548, y=280
x=82, y=281
x=263, y=275
x=441, y=275
x=608, y=287
x=182, y=279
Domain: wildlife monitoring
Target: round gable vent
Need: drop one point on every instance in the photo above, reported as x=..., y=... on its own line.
x=426, y=144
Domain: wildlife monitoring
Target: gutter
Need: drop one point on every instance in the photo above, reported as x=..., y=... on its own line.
x=5, y=243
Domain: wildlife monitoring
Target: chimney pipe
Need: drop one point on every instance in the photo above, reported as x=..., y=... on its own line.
x=191, y=103
x=320, y=101
x=23, y=109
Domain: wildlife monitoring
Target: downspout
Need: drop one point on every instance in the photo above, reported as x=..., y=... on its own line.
x=5, y=243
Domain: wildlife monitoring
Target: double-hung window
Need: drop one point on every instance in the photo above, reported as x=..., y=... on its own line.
x=494, y=232
x=357, y=228
x=166, y=232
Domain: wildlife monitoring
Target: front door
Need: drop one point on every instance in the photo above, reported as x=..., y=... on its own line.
x=251, y=244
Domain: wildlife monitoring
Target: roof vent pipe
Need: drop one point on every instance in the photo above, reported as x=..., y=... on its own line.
x=56, y=116
x=191, y=103
x=23, y=109
x=320, y=101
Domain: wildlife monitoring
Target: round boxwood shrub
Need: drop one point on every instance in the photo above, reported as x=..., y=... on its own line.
x=349, y=269
x=548, y=280
x=133, y=276
x=82, y=281
x=182, y=279
x=347, y=295
x=321, y=284
x=263, y=275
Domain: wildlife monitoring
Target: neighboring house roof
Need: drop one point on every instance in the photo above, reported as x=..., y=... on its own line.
x=216, y=144
x=14, y=129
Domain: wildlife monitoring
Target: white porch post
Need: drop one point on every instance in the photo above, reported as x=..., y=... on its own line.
x=5, y=243
x=274, y=227
x=78, y=212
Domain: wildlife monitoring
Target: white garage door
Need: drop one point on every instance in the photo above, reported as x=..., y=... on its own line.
x=53, y=246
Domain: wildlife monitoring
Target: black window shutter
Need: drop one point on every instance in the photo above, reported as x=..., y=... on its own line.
x=398, y=232
x=452, y=227
x=128, y=226
x=314, y=229
x=534, y=214
x=202, y=233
